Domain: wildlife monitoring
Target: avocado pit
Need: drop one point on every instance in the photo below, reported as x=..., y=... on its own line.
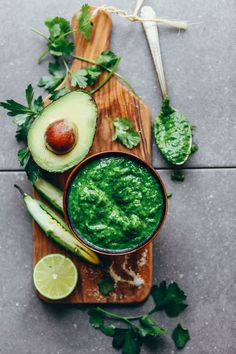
x=61, y=136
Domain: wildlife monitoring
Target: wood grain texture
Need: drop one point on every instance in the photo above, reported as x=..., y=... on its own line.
x=113, y=100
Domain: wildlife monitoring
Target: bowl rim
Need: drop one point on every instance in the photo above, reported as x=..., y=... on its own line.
x=86, y=243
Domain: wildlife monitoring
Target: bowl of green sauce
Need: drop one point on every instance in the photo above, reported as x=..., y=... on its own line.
x=115, y=203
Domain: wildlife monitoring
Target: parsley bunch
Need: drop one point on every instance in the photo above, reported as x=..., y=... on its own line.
x=142, y=327
x=24, y=116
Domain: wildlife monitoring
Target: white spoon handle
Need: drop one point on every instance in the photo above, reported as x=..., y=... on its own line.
x=151, y=32
x=138, y=7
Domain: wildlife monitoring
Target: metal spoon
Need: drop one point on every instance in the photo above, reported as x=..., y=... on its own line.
x=172, y=130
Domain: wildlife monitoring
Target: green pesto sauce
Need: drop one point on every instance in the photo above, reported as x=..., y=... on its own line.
x=115, y=203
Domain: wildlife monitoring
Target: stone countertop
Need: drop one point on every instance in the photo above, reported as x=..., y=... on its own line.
x=197, y=245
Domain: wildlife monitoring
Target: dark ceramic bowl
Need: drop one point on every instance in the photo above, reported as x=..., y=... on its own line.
x=69, y=221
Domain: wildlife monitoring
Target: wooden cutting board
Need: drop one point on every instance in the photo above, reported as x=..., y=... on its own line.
x=114, y=99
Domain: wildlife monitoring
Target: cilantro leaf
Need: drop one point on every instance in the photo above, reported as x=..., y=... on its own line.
x=106, y=285
x=107, y=59
x=32, y=170
x=194, y=148
x=50, y=82
x=127, y=340
x=29, y=93
x=180, y=336
x=149, y=327
x=59, y=93
x=177, y=176
x=96, y=318
x=169, y=298
x=85, y=77
x=85, y=25
x=125, y=133
x=24, y=115
x=57, y=26
x=79, y=78
x=23, y=155
x=169, y=195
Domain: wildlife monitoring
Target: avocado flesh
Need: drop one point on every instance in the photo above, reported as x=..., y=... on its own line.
x=78, y=107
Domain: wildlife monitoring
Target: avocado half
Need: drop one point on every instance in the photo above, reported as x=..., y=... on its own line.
x=63, y=134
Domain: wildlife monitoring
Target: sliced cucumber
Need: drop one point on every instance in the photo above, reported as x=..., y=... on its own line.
x=50, y=193
x=56, y=228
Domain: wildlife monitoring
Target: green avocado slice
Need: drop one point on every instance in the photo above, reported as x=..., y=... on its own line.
x=80, y=110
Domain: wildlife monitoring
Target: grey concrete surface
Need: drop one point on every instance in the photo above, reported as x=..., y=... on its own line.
x=199, y=65
x=197, y=245
x=196, y=248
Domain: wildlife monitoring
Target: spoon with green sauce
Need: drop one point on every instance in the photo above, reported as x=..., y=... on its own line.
x=172, y=130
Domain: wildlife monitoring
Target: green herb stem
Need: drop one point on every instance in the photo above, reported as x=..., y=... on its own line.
x=107, y=78
x=121, y=77
x=46, y=51
x=35, y=30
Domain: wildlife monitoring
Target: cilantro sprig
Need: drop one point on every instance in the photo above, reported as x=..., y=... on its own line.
x=125, y=133
x=52, y=81
x=142, y=327
x=58, y=41
x=85, y=25
x=24, y=116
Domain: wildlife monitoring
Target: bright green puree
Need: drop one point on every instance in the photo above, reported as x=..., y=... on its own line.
x=115, y=203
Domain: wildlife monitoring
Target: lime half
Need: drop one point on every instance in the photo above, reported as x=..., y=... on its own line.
x=55, y=276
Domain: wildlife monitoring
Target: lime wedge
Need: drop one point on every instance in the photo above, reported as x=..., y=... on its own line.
x=55, y=276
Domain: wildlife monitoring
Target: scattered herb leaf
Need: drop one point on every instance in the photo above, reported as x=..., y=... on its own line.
x=107, y=59
x=106, y=285
x=79, y=78
x=52, y=81
x=59, y=93
x=169, y=298
x=194, y=148
x=32, y=170
x=177, y=175
x=24, y=115
x=84, y=21
x=58, y=44
x=169, y=195
x=180, y=336
x=125, y=133
x=150, y=328
x=127, y=340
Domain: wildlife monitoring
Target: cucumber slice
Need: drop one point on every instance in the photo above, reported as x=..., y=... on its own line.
x=56, y=228
x=50, y=193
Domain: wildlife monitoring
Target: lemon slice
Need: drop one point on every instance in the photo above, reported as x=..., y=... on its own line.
x=55, y=276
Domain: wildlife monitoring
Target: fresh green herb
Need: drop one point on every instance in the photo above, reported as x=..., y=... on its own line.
x=58, y=43
x=106, y=285
x=180, y=336
x=59, y=93
x=125, y=133
x=85, y=25
x=24, y=115
x=194, y=148
x=169, y=195
x=177, y=175
x=32, y=170
x=79, y=78
x=128, y=339
x=171, y=298
x=52, y=81
x=173, y=134
x=107, y=59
